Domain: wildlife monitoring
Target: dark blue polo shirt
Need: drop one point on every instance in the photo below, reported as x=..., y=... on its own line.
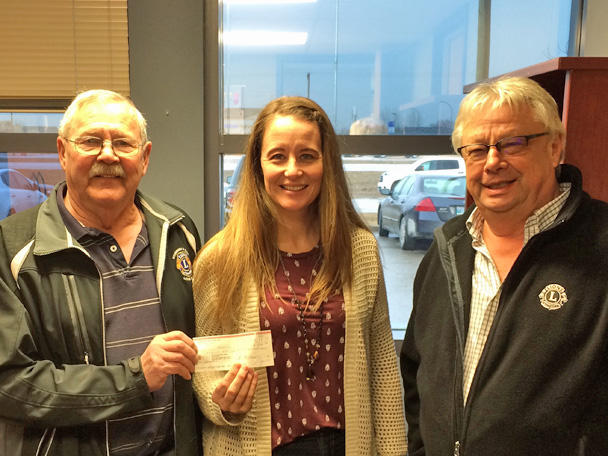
x=132, y=317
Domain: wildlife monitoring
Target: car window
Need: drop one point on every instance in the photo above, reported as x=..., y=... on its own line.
x=398, y=187
x=409, y=183
x=446, y=164
x=404, y=186
x=433, y=165
x=456, y=186
x=17, y=180
x=430, y=186
x=444, y=186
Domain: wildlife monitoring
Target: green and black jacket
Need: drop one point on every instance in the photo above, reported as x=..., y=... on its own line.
x=56, y=391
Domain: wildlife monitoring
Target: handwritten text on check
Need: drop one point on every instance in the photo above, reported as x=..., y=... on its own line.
x=216, y=353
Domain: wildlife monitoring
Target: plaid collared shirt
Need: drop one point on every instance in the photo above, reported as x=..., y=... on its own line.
x=487, y=285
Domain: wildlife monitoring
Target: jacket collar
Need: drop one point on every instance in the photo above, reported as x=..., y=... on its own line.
x=570, y=173
x=52, y=235
x=567, y=173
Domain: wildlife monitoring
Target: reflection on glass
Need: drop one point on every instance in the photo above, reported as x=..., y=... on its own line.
x=26, y=179
x=382, y=67
x=231, y=174
x=542, y=33
x=30, y=122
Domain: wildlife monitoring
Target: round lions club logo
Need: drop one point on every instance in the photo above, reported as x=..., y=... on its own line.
x=553, y=297
x=183, y=263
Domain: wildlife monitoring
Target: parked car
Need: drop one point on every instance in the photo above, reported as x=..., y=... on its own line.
x=230, y=188
x=419, y=203
x=427, y=163
x=18, y=193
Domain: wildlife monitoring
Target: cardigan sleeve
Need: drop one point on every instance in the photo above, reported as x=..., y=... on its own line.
x=385, y=386
x=204, y=287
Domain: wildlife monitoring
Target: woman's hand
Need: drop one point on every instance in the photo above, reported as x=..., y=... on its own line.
x=234, y=394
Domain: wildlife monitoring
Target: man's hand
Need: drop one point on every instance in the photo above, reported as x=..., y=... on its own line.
x=170, y=353
x=234, y=394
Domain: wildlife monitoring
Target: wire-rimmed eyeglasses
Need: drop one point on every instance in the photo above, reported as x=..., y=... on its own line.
x=92, y=145
x=512, y=145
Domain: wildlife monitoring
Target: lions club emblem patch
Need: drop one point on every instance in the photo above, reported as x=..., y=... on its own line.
x=553, y=297
x=183, y=263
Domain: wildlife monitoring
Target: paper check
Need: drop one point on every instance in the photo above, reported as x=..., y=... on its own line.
x=253, y=349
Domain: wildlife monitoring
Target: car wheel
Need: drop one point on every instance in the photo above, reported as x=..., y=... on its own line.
x=405, y=241
x=381, y=230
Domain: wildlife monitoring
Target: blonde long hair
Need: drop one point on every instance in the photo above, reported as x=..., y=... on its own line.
x=247, y=246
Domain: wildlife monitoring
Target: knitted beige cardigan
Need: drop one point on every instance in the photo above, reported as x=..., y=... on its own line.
x=373, y=403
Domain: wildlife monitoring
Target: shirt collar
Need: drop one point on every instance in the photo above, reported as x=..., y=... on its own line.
x=77, y=229
x=539, y=221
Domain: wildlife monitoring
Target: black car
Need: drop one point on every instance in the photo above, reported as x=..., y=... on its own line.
x=419, y=203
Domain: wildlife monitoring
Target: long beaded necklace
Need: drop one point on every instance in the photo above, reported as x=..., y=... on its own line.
x=311, y=358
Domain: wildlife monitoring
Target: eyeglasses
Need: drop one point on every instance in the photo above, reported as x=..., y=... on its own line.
x=92, y=145
x=509, y=146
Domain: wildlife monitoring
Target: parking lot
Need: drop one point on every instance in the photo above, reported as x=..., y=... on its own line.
x=399, y=265
x=399, y=270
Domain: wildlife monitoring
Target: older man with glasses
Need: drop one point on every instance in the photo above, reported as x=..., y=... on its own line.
x=506, y=348
x=96, y=354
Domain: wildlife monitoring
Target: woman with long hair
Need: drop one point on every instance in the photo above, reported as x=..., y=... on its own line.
x=295, y=258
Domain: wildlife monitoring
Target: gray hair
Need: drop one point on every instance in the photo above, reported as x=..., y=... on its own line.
x=517, y=93
x=95, y=96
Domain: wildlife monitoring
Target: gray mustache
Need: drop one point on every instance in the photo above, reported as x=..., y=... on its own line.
x=101, y=169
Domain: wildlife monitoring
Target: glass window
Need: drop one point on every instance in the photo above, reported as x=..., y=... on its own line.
x=403, y=187
x=525, y=32
x=30, y=122
x=26, y=179
x=387, y=67
x=398, y=190
x=382, y=67
x=231, y=174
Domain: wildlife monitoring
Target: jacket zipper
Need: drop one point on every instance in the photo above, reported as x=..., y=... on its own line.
x=77, y=315
x=458, y=410
x=45, y=442
x=458, y=313
x=461, y=409
x=159, y=285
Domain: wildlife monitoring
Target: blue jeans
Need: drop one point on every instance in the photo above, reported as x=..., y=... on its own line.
x=324, y=442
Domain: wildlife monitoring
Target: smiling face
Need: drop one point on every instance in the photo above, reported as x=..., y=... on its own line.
x=104, y=181
x=511, y=186
x=292, y=164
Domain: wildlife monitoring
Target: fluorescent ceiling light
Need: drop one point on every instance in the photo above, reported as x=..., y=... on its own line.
x=264, y=38
x=266, y=2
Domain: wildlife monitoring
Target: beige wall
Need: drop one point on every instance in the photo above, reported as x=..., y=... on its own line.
x=594, y=39
x=166, y=76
